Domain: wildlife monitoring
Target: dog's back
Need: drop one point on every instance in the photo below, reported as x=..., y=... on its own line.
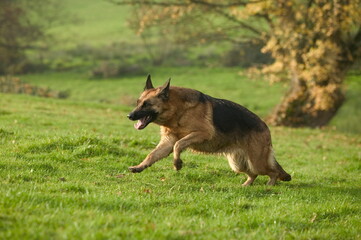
x=229, y=117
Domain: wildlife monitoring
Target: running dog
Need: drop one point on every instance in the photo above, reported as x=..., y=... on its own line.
x=191, y=119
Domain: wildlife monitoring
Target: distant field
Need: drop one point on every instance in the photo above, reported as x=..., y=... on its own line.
x=219, y=82
x=63, y=168
x=87, y=33
x=93, y=22
x=92, y=32
x=349, y=115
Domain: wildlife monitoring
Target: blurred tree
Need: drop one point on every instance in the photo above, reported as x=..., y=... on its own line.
x=313, y=42
x=22, y=24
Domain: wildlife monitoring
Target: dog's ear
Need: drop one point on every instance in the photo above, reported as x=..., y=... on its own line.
x=164, y=91
x=148, y=83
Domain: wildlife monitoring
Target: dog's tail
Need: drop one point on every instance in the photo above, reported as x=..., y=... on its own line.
x=283, y=175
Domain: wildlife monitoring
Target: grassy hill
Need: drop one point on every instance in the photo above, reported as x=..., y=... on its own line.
x=63, y=169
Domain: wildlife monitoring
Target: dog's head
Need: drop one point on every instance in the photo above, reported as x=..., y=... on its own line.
x=150, y=104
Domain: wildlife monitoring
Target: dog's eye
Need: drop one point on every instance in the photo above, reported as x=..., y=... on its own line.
x=146, y=104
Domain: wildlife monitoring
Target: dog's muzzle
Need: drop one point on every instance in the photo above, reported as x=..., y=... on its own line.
x=143, y=117
x=131, y=116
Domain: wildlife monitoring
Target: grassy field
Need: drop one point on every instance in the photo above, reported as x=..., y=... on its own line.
x=63, y=168
x=63, y=163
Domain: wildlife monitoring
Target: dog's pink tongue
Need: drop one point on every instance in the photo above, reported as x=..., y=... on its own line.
x=140, y=124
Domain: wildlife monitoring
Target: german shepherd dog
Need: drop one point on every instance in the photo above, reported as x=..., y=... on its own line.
x=191, y=119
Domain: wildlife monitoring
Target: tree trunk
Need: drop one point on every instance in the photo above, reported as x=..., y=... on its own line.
x=311, y=105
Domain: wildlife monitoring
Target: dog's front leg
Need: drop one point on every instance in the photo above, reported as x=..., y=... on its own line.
x=163, y=149
x=183, y=143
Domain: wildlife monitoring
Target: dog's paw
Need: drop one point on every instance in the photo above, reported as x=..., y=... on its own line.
x=135, y=169
x=178, y=164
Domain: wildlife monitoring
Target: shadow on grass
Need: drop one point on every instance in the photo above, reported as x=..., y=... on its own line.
x=222, y=181
x=321, y=187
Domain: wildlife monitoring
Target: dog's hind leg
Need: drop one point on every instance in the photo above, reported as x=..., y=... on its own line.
x=272, y=178
x=238, y=161
x=250, y=179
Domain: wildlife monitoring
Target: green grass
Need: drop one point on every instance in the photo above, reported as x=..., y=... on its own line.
x=63, y=169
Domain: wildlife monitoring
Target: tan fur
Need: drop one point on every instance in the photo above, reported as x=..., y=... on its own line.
x=186, y=122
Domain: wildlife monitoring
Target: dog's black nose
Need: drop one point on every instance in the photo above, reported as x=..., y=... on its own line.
x=130, y=116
